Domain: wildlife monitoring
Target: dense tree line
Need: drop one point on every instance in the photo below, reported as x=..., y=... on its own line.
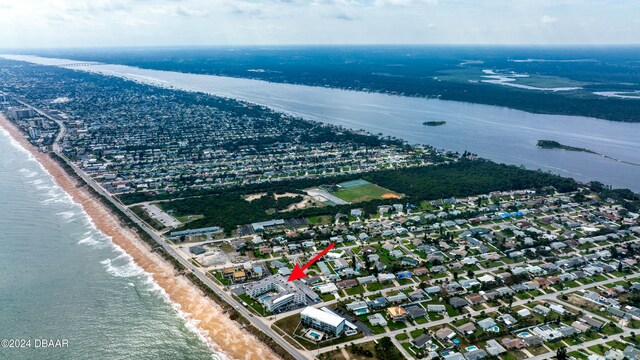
x=464, y=178
x=423, y=73
x=629, y=200
x=228, y=208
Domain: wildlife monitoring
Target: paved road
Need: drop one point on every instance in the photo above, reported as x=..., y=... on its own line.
x=550, y=296
x=263, y=325
x=257, y=322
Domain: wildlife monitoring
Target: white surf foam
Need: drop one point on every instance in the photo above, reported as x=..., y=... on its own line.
x=91, y=241
x=67, y=214
x=129, y=268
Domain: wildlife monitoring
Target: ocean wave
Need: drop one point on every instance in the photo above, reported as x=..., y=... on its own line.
x=28, y=173
x=67, y=214
x=191, y=324
x=16, y=145
x=129, y=269
x=92, y=242
x=57, y=196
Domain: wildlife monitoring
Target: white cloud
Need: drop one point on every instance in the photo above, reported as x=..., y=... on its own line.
x=187, y=12
x=75, y=23
x=405, y=2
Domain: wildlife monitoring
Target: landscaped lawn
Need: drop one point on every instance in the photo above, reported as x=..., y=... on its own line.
x=407, y=346
x=578, y=355
x=554, y=345
x=378, y=286
x=223, y=281
x=572, y=284
x=451, y=311
x=355, y=290
x=402, y=336
x=327, y=297
x=617, y=345
x=514, y=355
x=254, y=304
x=611, y=329
x=591, y=335
x=598, y=349
x=396, y=325
x=537, y=350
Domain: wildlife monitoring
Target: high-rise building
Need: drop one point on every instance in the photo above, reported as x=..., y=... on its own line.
x=21, y=113
x=34, y=132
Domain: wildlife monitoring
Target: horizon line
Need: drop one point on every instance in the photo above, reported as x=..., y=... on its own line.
x=539, y=45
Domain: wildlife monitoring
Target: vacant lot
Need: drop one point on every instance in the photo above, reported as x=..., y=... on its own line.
x=365, y=192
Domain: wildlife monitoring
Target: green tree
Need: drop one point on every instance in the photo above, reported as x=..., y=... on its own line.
x=561, y=353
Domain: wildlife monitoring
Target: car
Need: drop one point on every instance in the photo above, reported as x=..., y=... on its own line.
x=605, y=336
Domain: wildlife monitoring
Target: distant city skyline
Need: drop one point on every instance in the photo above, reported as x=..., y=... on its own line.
x=103, y=23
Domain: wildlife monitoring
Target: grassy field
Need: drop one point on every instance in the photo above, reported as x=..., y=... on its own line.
x=289, y=323
x=363, y=193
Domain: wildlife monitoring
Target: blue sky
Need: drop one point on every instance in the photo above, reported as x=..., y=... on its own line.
x=81, y=23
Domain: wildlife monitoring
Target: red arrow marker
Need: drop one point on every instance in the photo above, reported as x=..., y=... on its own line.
x=298, y=272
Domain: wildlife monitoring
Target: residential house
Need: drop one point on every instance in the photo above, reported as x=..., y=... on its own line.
x=458, y=302
x=397, y=313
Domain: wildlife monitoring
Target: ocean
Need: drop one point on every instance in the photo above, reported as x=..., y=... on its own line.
x=62, y=279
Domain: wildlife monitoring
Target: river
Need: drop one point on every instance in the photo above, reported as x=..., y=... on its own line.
x=497, y=133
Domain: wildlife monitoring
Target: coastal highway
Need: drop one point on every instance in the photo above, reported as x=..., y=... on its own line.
x=259, y=324
x=225, y=296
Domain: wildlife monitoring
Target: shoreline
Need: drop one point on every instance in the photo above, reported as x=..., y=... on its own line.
x=222, y=334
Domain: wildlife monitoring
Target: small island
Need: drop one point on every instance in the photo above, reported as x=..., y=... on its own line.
x=434, y=123
x=550, y=144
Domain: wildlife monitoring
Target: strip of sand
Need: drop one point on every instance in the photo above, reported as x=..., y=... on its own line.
x=223, y=334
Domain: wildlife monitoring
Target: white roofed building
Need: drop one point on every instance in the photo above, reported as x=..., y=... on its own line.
x=323, y=321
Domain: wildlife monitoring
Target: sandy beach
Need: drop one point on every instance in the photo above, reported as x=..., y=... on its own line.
x=222, y=333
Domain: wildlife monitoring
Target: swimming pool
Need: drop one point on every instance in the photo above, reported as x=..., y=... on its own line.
x=471, y=348
x=314, y=335
x=524, y=334
x=362, y=311
x=495, y=329
x=265, y=297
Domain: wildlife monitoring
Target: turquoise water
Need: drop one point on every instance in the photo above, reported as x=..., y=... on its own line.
x=62, y=279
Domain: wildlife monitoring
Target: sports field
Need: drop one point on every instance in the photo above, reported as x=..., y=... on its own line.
x=365, y=191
